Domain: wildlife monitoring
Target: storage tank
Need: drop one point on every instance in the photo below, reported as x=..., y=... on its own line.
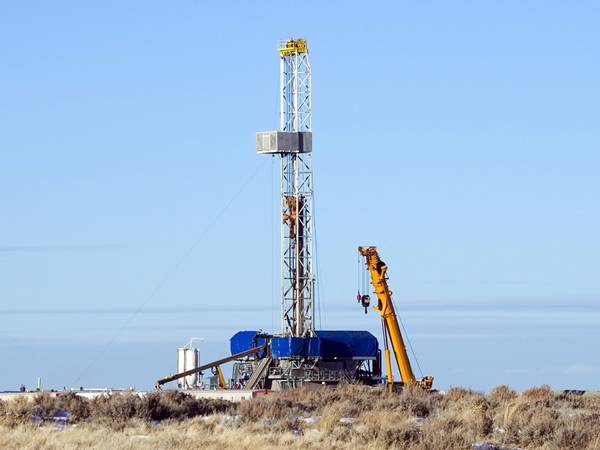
x=188, y=358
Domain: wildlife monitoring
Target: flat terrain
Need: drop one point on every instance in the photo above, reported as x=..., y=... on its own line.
x=344, y=417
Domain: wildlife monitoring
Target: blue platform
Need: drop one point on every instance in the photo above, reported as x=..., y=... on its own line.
x=340, y=344
x=245, y=340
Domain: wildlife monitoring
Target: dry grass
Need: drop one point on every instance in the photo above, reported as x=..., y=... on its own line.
x=345, y=417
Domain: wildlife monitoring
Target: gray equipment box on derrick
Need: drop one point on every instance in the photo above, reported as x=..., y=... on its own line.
x=273, y=142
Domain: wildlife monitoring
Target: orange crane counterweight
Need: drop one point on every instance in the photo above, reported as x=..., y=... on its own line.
x=385, y=306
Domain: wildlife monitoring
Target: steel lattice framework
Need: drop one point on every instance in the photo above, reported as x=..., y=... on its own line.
x=297, y=279
x=293, y=143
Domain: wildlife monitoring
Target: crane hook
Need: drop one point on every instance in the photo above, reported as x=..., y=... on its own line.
x=365, y=301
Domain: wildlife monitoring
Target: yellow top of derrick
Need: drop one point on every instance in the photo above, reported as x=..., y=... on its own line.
x=293, y=47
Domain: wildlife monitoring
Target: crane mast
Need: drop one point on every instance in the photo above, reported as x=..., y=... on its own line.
x=378, y=271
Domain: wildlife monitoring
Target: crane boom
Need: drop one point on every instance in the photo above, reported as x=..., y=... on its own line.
x=378, y=271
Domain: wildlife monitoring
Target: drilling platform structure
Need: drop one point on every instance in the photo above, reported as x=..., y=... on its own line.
x=298, y=354
x=293, y=143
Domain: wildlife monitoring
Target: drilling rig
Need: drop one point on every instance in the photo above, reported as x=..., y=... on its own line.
x=297, y=354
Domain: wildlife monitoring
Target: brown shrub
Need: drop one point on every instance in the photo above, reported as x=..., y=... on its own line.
x=267, y=407
x=44, y=405
x=537, y=431
x=575, y=437
x=330, y=416
x=538, y=393
x=315, y=399
x=402, y=436
x=115, y=408
x=410, y=419
x=455, y=394
x=17, y=411
x=502, y=394
x=178, y=405
x=475, y=412
x=482, y=425
x=451, y=425
x=416, y=401
x=155, y=406
x=78, y=406
x=348, y=400
x=382, y=429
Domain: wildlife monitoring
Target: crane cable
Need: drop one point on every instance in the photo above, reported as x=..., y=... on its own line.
x=318, y=277
x=317, y=281
x=358, y=275
x=410, y=346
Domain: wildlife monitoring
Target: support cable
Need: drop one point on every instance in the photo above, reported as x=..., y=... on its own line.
x=273, y=300
x=410, y=346
x=169, y=273
x=358, y=274
x=318, y=280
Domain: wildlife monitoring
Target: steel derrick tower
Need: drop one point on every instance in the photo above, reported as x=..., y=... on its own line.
x=293, y=144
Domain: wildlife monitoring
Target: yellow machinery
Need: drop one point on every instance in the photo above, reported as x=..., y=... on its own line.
x=391, y=330
x=220, y=378
x=293, y=47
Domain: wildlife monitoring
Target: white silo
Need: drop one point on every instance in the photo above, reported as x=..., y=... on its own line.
x=188, y=357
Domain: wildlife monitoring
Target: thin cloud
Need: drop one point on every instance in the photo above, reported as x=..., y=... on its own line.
x=52, y=248
x=155, y=310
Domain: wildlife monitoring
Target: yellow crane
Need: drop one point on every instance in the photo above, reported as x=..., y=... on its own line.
x=391, y=331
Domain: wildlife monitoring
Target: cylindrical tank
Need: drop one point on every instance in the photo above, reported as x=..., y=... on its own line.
x=187, y=358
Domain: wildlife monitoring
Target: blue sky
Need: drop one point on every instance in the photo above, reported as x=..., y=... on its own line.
x=461, y=138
